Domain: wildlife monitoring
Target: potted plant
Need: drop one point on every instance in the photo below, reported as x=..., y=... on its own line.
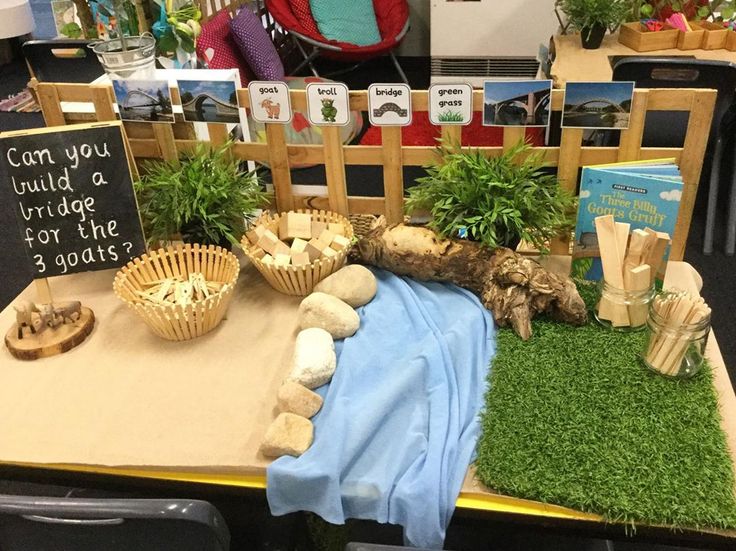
x=204, y=198
x=496, y=201
x=593, y=17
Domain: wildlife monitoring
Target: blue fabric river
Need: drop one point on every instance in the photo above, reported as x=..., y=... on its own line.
x=400, y=422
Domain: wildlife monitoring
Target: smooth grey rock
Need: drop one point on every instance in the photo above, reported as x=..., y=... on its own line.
x=353, y=284
x=329, y=313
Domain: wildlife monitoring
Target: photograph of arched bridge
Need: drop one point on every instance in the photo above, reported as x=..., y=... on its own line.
x=143, y=100
x=597, y=104
x=209, y=100
x=516, y=102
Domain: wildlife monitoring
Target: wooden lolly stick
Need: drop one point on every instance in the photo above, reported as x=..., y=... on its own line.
x=634, y=255
x=611, y=259
x=655, y=254
x=622, y=240
x=638, y=279
x=674, y=359
x=679, y=314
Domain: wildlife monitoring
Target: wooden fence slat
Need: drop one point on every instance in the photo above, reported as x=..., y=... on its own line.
x=393, y=174
x=356, y=204
x=451, y=134
x=567, y=173
x=165, y=138
x=218, y=133
x=335, y=170
x=691, y=163
x=103, y=103
x=278, y=159
x=48, y=99
x=630, y=142
x=512, y=135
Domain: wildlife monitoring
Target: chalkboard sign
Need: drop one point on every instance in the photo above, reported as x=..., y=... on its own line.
x=73, y=197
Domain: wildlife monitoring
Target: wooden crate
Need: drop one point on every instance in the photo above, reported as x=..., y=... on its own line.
x=164, y=141
x=715, y=35
x=690, y=40
x=731, y=41
x=637, y=37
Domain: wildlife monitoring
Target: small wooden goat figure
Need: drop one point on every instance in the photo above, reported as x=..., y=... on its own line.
x=24, y=316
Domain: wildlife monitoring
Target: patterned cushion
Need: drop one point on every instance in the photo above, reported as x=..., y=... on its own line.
x=303, y=14
x=218, y=49
x=256, y=46
x=353, y=22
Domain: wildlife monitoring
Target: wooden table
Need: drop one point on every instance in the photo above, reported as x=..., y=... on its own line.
x=573, y=63
x=129, y=404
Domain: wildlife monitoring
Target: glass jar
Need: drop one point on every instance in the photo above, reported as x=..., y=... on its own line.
x=622, y=309
x=675, y=349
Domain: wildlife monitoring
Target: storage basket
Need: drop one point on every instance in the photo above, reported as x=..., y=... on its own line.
x=177, y=322
x=299, y=280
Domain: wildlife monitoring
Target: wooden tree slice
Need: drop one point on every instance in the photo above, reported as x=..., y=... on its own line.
x=49, y=342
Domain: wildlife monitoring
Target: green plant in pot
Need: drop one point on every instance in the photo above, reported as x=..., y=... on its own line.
x=204, y=197
x=496, y=201
x=593, y=17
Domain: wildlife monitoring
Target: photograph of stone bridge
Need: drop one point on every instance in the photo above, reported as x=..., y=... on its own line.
x=597, y=104
x=209, y=101
x=516, y=102
x=143, y=100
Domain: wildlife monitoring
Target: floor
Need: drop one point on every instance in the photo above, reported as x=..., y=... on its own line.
x=718, y=271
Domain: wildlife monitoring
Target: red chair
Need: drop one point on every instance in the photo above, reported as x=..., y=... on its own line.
x=393, y=23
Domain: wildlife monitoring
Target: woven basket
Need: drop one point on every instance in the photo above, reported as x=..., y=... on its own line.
x=177, y=322
x=299, y=280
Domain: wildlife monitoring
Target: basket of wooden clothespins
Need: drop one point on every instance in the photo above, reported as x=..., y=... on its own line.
x=180, y=292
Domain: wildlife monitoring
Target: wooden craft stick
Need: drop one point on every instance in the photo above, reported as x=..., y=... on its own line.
x=622, y=240
x=637, y=244
x=655, y=254
x=638, y=279
x=612, y=261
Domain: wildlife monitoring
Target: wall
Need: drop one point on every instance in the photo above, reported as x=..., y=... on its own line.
x=416, y=42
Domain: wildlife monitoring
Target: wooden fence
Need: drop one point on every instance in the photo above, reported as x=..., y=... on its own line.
x=166, y=141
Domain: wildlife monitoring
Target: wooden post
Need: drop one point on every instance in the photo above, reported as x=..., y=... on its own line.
x=48, y=99
x=512, y=135
x=451, y=134
x=335, y=170
x=278, y=158
x=217, y=133
x=393, y=174
x=567, y=172
x=630, y=143
x=691, y=163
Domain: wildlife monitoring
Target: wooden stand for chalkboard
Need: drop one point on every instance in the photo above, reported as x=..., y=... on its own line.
x=42, y=342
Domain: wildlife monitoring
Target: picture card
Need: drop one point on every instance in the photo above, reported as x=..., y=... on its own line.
x=73, y=198
x=328, y=104
x=143, y=100
x=269, y=101
x=451, y=104
x=597, y=104
x=389, y=104
x=516, y=102
x=209, y=100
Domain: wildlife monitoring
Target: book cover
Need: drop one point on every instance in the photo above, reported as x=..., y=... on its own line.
x=645, y=196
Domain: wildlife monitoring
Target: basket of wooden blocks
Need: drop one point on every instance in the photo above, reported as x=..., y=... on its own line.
x=295, y=250
x=180, y=292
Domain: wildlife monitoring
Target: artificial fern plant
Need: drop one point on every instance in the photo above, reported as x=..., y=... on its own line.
x=204, y=197
x=496, y=201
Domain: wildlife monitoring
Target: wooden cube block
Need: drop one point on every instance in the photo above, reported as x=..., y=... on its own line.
x=282, y=260
x=300, y=259
x=298, y=245
x=336, y=228
x=255, y=234
x=267, y=259
x=326, y=237
x=295, y=224
x=268, y=241
x=329, y=252
x=314, y=249
x=257, y=252
x=281, y=248
x=318, y=227
x=339, y=243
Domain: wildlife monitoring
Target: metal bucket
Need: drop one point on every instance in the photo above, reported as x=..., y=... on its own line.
x=138, y=61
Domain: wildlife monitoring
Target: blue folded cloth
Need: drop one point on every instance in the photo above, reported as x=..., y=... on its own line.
x=400, y=422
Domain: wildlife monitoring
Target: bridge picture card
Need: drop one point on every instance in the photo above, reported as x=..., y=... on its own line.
x=516, y=102
x=71, y=191
x=597, y=105
x=143, y=100
x=212, y=101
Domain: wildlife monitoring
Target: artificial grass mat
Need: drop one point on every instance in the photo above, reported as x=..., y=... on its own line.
x=573, y=418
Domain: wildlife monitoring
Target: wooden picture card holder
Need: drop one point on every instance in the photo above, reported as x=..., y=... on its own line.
x=164, y=141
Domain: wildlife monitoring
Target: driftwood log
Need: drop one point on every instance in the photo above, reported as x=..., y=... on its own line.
x=513, y=287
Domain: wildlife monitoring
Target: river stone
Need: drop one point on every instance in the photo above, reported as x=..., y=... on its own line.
x=298, y=399
x=314, y=358
x=330, y=313
x=354, y=284
x=289, y=434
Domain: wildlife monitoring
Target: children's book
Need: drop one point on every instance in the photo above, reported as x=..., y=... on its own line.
x=645, y=194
